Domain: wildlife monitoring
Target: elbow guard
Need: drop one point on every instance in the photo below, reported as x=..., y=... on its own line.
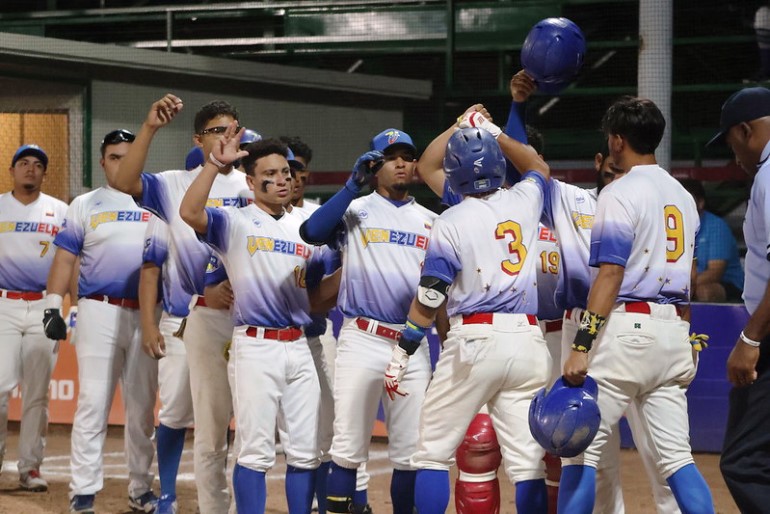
x=432, y=292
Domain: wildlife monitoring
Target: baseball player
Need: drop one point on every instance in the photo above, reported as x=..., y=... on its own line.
x=273, y=373
x=29, y=222
x=480, y=263
x=303, y=155
x=104, y=232
x=383, y=237
x=745, y=127
x=643, y=242
x=188, y=258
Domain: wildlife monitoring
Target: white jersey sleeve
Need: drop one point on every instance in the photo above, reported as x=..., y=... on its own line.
x=647, y=222
x=176, y=301
x=162, y=194
x=486, y=248
x=105, y=228
x=266, y=261
x=385, y=244
x=27, y=233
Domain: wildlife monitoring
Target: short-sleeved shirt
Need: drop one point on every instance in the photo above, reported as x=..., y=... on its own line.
x=715, y=242
x=27, y=233
x=756, y=233
x=647, y=222
x=176, y=301
x=549, y=276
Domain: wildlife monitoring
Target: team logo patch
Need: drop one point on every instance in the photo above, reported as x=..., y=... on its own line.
x=49, y=214
x=268, y=244
x=395, y=237
x=363, y=214
x=256, y=222
x=393, y=136
x=115, y=216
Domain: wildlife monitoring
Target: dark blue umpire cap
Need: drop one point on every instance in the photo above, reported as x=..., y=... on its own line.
x=745, y=105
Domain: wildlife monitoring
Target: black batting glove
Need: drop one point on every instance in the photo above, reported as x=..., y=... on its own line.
x=54, y=325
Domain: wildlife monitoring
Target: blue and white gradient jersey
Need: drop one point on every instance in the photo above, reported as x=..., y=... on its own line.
x=266, y=261
x=548, y=274
x=105, y=228
x=176, y=301
x=162, y=194
x=647, y=222
x=384, y=248
x=487, y=249
x=569, y=210
x=756, y=232
x=26, y=235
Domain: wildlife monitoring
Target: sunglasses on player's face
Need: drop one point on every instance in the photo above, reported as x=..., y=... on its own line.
x=217, y=130
x=118, y=136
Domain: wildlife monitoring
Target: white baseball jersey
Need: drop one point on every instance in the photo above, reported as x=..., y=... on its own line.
x=548, y=274
x=493, y=237
x=756, y=232
x=162, y=194
x=176, y=301
x=384, y=247
x=105, y=228
x=267, y=263
x=647, y=223
x=569, y=210
x=308, y=208
x=26, y=235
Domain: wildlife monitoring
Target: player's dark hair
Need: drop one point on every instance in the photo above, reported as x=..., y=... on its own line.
x=535, y=139
x=211, y=110
x=259, y=149
x=638, y=121
x=298, y=147
x=694, y=187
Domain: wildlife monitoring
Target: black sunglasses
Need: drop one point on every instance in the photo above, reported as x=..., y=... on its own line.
x=217, y=130
x=118, y=136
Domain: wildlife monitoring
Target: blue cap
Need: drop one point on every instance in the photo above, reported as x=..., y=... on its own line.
x=249, y=136
x=293, y=162
x=33, y=150
x=194, y=158
x=390, y=137
x=745, y=105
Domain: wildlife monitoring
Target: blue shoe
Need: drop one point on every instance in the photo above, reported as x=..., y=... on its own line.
x=82, y=503
x=147, y=502
x=166, y=504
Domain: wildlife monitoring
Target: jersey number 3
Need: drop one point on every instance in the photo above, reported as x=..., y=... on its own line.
x=674, y=233
x=517, y=250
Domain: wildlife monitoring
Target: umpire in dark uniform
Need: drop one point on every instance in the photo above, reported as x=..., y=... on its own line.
x=745, y=463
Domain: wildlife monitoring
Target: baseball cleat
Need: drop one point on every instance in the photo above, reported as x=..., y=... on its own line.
x=166, y=504
x=82, y=504
x=147, y=502
x=32, y=481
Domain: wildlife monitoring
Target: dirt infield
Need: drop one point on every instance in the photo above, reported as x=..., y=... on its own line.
x=113, y=498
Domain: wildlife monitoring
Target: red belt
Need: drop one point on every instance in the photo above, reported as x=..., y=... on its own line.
x=486, y=318
x=201, y=302
x=279, y=334
x=644, y=308
x=120, y=302
x=29, y=296
x=382, y=331
x=553, y=326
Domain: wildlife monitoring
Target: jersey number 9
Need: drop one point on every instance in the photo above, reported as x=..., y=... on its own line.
x=674, y=233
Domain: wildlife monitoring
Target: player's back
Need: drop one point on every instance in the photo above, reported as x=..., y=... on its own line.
x=494, y=240
x=647, y=222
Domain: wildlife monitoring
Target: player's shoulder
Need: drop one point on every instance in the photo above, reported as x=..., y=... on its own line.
x=423, y=211
x=53, y=201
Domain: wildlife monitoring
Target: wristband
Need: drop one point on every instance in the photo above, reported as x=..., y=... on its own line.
x=748, y=341
x=589, y=328
x=411, y=337
x=53, y=301
x=213, y=160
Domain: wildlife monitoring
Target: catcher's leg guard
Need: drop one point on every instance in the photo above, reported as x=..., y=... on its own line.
x=477, y=490
x=552, y=477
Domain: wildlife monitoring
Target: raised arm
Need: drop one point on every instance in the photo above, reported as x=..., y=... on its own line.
x=128, y=178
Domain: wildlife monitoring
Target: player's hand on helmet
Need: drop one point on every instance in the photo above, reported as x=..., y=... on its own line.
x=394, y=373
x=163, y=111
x=54, y=325
x=72, y=320
x=522, y=86
x=366, y=166
x=576, y=367
x=227, y=149
x=476, y=119
x=476, y=108
x=153, y=343
x=742, y=364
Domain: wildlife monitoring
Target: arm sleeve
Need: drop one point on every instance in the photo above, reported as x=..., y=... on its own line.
x=217, y=232
x=155, y=196
x=72, y=232
x=450, y=198
x=515, y=128
x=322, y=225
x=612, y=236
x=441, y=259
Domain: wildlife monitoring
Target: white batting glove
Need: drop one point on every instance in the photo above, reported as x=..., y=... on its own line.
x=72, y=317
x=476, y=119
x=394, y=373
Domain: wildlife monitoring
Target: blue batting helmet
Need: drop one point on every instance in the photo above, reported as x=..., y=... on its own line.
x=249, y=136
x=194, y=158
x=473, y=162
x=565, y=420
x=553, y=53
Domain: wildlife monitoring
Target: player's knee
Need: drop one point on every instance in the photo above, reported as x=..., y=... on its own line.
x=479, y=453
